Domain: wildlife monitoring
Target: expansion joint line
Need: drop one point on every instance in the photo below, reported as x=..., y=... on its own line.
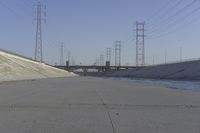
x=107, y=111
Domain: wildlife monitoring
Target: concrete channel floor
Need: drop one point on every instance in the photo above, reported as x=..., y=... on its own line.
x=96, y=105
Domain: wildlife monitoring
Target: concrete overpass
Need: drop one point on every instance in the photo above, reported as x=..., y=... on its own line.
x=85, y=68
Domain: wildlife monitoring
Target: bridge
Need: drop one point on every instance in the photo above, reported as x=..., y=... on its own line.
x=86, y=68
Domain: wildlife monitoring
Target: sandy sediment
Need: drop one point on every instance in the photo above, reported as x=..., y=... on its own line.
x=13, y=67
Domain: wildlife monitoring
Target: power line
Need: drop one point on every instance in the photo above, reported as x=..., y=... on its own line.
x=166, y=13
x=172, y=8
x=172, y=17
x=129, y=41
x=180, y=27
x=26, y=7
x=26, y=3
x=183, y=18
x=176, y=29
x=158, y=12
x=8, y=8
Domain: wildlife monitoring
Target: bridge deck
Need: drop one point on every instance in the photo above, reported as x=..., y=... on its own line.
x=99, y=68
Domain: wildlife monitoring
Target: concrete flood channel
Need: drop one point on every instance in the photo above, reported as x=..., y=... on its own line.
x=96, y=105
x=173, y=84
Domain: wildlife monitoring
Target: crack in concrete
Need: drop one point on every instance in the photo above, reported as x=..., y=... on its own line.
x=107, y=110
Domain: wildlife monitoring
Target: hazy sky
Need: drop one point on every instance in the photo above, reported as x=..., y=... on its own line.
x=88, y=27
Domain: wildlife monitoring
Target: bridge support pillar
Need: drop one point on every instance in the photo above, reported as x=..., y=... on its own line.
x=118, y=68
x=107, y=68
x=67, y=65
x=101, y=69
x=85, y=70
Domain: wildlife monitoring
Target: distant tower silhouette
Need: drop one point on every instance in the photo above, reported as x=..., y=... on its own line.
x=62, y=54
x=117, y=53
x=140, y=49
x=101, y=60
x=108, y=54
x=39, y=18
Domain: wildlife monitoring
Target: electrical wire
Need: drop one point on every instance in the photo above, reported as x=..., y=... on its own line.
x=8, y=8
x=183, y=18
x=176, y=29
x=166, y=13
x=174, y=16
x=159, y=10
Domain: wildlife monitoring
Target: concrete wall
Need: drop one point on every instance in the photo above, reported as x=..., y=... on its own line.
x=14, y=67
x=189, y=70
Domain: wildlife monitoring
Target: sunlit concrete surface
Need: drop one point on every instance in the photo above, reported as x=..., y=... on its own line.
x=96, y=105
x=188, y=70
x=15, y=67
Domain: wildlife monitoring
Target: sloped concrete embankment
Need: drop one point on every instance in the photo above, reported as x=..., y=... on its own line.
x=189, y=70
x=14, y=67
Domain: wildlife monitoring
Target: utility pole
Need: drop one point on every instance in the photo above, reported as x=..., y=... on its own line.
x=61, y=53
x=40, y=16
x=153, y=61
x=181, y=54
x=117, y=53
x=165, y=57
x=140, y=49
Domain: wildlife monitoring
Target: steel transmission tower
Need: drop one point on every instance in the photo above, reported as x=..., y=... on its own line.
x=40, y=14
x=101, y=60
x=140, y=49
x=97, y=62
x=117, y=53
x=108, y=54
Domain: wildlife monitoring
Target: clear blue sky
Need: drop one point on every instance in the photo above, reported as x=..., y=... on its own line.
x=88, y=27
